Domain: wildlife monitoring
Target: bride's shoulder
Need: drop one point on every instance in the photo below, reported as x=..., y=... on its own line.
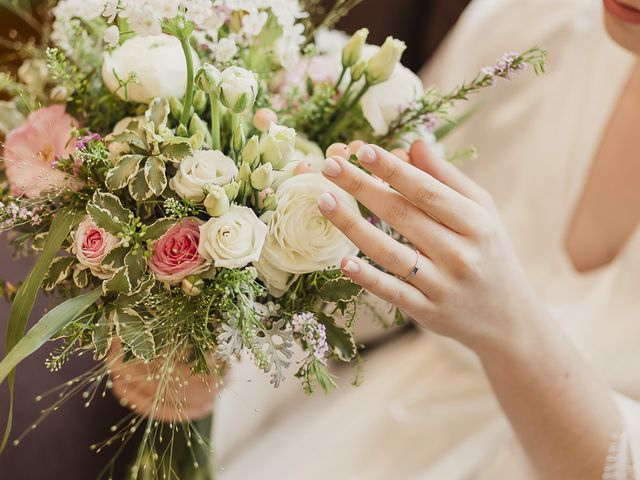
x=488, y=28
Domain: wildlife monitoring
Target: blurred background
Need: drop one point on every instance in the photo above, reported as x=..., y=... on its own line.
x=63, y=438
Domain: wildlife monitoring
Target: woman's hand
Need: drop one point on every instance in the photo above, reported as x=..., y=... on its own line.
x=469, y=284
x=179, y=397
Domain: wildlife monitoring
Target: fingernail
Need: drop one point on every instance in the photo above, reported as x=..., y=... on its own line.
x=366, y=154
x=326, y=202
x=351, y=267
x=331, y=168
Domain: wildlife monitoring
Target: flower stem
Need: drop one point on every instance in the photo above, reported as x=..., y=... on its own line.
x=215, y=122
x=342, y=74
x=340, y=119
x=188, y=99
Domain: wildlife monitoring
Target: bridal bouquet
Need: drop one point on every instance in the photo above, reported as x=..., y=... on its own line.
x=161, y=158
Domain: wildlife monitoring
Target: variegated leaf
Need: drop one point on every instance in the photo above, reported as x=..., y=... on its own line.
x=155, y=175
x=137, y=296
x=340, y=341
x=136, y=267
x=119, y=176
x=81, y=276
x=157, y=229
x=139, y=189
x=158, y=113
x=118, y=283
x=176, y=149
x=108, y=213
x=101, y=337
x=58, y=271
x=131, y=138
x=135, y=333
x=115, y=258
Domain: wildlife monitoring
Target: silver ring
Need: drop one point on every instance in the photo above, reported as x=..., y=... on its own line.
x=414, y=270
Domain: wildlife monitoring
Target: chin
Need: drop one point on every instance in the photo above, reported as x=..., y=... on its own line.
x=625, y=34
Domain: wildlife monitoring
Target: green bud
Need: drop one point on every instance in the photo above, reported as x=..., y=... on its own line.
x=208, y=79
x=278, y=145
x=197, y=125
x=176, y=107
x=199, y=101
x=251, y=151
x=232, y=189
x=262, y=177
x=238, y=89
x=270, y=202
x=238, y=138
x=384, y=62
x=182, y=131
x=358, y=70
x=353, y=49
x=216, y=202
x=192, y=286
x=245, y=172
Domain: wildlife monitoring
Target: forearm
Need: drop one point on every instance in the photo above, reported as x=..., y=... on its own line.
x=563, y=414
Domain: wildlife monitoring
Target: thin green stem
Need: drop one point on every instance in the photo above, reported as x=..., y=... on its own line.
x=339, y=119
x=215, y=122
x=188, y=99
x=341, y=77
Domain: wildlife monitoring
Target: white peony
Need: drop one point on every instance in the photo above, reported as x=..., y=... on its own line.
x=158, y=64
x=301, y=240
x=203, y=169
x=383, y=102
x=233, y=240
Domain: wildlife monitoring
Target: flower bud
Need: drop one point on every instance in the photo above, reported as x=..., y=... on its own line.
x=192, y=286
x=208, y=79
x=263, y=118
x=197, y=125
x=353, y=49
x=182, y=131
x=270, y=202
x=216, y=202
x=199, y=101
x=382, y=65
x=357, y=71
x=239, y=138
x=245, y=172
x=111, y=36
x=176, y=107
x=232, y=189
x=251, y=151
x=238, y=89
x=262, y=177
x=278, y=146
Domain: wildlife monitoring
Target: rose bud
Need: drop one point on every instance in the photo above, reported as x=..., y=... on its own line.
x=251, y=151
x=208, y=79
x=263, y=119
x=238, y=89
x=262, y=177
x=382, y=65
x=232, y=189
x=353, y=49
x=216, y=202
x=357, y=71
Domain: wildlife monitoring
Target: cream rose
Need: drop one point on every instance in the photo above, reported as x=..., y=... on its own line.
x=158, y=63
x=203, y=169
x=301, y=240
x=91, y=244
x=233, y=240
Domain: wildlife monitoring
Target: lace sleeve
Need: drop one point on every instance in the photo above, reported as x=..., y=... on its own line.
x=623, y=460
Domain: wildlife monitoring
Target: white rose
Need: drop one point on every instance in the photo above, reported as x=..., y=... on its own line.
x=383, y=102
x=233, y=240
x=301, y=240
x=203, y=169
x=158, y=63
x=238, y=89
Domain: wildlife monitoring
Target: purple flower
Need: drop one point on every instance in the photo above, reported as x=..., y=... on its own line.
x=313, y=333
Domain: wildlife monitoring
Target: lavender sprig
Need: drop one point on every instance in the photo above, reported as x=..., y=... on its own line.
x=434, y=105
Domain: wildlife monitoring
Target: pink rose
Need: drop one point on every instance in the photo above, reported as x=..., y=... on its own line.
x=175, y=255
x=91, y=244
x=31, y=149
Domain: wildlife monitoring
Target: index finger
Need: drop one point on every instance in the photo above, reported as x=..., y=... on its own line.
x=428, y=194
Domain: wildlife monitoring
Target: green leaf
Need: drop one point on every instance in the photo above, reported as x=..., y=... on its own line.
x=58, y=271
x=81, y=277
x=139, y=189
x=158, y=113
x=130, y=138
x=341, y=342
x=115, y=258
x=137, y=296
x=119, y=176
x=176, y=148
x=107, y=211
x=158, y=229
x=101, y=337
x=136, y=267
x=120, y=282
x=135, y=333
x=155, y=175
x=22, y=304
x=339, y=290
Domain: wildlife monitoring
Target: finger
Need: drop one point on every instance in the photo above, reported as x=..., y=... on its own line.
x=387, y=287
x=431, y=237
x=428, y=194
x=390, y=254
x=423, y=158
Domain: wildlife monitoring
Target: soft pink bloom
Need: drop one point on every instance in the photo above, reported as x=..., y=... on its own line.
x=319, y=69
x=91, y=244
x=175, y=255
x=31, y=149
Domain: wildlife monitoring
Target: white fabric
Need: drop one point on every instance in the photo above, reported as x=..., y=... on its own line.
x=425, y=410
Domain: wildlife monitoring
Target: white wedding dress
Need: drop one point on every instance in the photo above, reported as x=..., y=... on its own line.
x=425, y=410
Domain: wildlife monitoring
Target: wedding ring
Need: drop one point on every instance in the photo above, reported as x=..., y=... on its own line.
x=414, y=270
